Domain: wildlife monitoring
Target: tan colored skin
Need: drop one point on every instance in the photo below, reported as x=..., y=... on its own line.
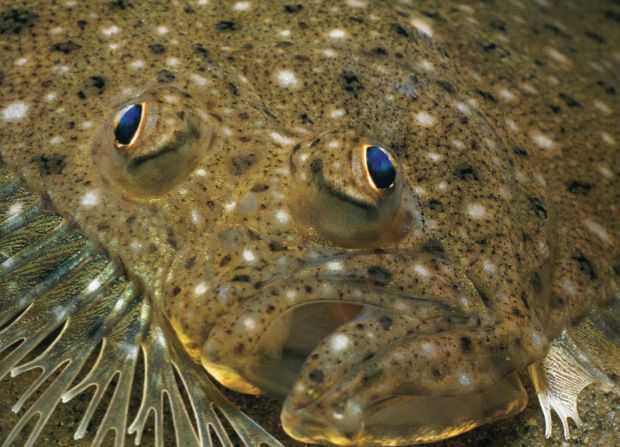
x=501, y=228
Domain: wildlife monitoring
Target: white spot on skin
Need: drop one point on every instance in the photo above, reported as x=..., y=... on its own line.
x=287, y=79
x=21, y=61
x=421, y=270
x=542, y=140
x=569, y=287
x=337, y=34
x=248, y=255
x=200, y=172
x=507, y=95
x=15, y=209
x=607, y=138
x=463, y=108
x=110, y=30
x=476, y=211
x=172, y=61
x=57, y=139
x=426, y=65
x=605, y=171
x=434, y=156
x=249, y=323
x=357, y=3
x=162, y=30
x=90, y=199
x=600, y=105
x=201, y=288
x=242, y=6
x=328, y=52
x=464, y=379
x=428, y=347
x=282, y=217
x=335, y=266
x=86, y=125
x=337, y=113
x=458, y=144
x=93, y=286
x=137, y=64
x=489, y=267
x=196, y=217
x=557, y=56
x=422, y=26
x=425, y=119
x=282, y=139
x=339, y=342
x=198, y=80
x=51, y=96
x=598, y=230
x=15, y=111
x=230, y=206
x=285, y=33
x=512, y=125
x=291, y=295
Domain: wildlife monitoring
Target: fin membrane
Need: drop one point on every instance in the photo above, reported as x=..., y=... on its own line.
x=560, y=378
x=54, y=280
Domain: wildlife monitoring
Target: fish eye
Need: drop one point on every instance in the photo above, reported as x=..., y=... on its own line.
x=380, y=168
x=152, y=143
x=129, y=123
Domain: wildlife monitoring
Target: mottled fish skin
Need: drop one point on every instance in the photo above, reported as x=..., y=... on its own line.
x=248, y=196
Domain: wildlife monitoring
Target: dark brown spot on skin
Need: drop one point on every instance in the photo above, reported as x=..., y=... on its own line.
x=538, y=206
x=120, y=4
x=52, y=164
x=486, y=95
x=351, y=83
x=577, y=187
x=585, y=266
x=379, y=275
x=227, y=25
x=386, y=322
x=400, y=30
x=65, y=47
x=316, y=375
x=595, y=37
x=316, y=166
x=165, y=76
x=466, y=172
x=241, y=163
x=259, y=187
x=225, y=261
x=157, y=48
x=233, y=89
x=466, y=345
x=447, y=86
x=435, y=205
x=202, y=52
x=15, y=20
x=94, y=86
x=241, y=278
x=276, y=246
x=518, y=150
x=569, y=100
x=293, y=9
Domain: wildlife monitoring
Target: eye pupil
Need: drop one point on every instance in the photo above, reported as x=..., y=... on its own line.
x=380, y=167
x=128, y=123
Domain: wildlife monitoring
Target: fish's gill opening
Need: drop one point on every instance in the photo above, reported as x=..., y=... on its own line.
x=286, y=344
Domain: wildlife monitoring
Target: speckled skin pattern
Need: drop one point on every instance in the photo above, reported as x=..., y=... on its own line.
x=246, y=196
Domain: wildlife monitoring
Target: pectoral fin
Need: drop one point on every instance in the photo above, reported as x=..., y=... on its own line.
x=562, y=375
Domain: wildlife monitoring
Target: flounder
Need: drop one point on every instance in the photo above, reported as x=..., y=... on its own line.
x=382, y=213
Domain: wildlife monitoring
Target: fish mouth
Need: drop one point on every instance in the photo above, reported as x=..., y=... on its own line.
x=401, y=418
x=357, y=288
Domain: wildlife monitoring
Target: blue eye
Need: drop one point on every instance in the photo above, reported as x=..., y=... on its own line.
x=128, y=123
x=380, y=167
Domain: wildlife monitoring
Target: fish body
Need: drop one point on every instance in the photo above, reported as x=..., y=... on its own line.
x=382, y=212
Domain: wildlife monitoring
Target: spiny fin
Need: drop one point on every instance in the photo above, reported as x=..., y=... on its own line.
x=52, y=278
x=560, y=378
